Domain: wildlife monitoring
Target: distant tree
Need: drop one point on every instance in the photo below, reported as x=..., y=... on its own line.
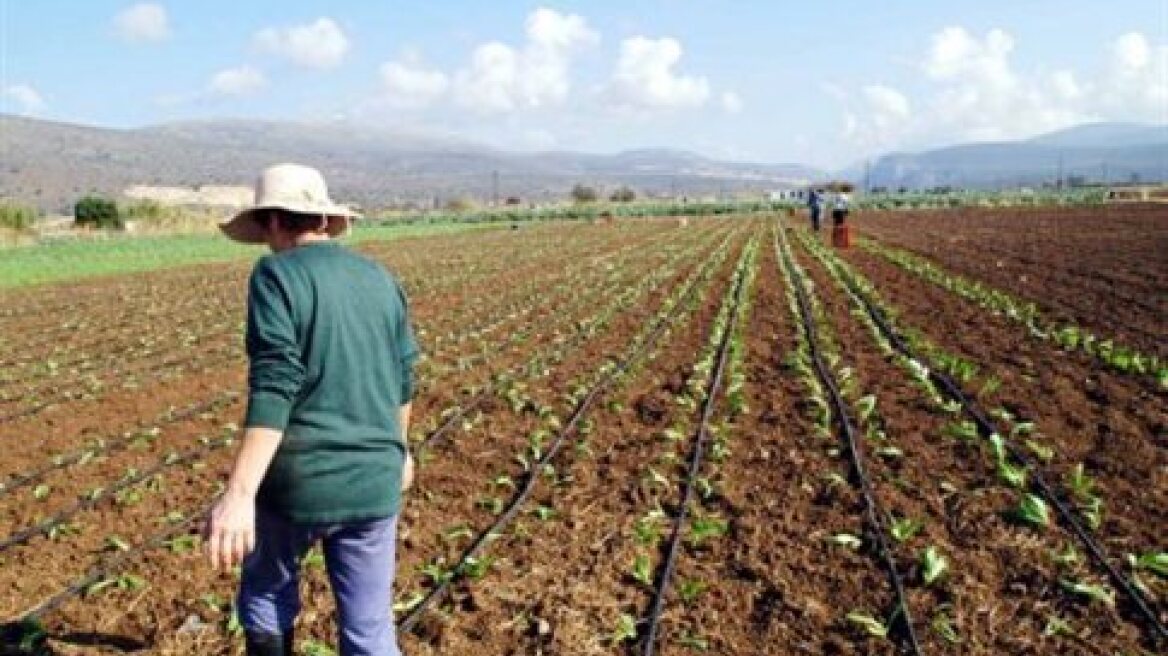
x=584, y=194
x=97, y=212
x=460, y=204
x=623, y=195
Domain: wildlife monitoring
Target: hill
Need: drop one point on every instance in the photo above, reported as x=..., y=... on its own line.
x=51, y=164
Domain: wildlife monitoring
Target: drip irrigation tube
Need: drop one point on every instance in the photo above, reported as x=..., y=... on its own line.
x=658, y=604
x=986, y=428
x=415, y=614
x=847, y=431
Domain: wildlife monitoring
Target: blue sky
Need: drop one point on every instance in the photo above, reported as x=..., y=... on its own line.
x=824, y=83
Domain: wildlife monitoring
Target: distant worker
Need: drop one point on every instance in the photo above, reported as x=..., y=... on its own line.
x=323, y=455
x=839, y=211
x=815, y=207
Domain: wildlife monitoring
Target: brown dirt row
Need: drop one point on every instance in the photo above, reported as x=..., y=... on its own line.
x=429, y=264
x=213, y=311
x=1003, y=587
x=1105, y=268
x=65, y=486
x=1116, y=428
x=551, y=570
x=489, y=445
x=223, y=354
x=775, y=584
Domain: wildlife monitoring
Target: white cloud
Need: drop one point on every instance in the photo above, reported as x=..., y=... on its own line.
x=409, y=85
x=645, y=77
x=321, y=44
x=1132, y=51
x=1138, y=85
x=1066, y=86
x=731, y=102
x=982, y=97
x=143, y=22
x=27, y=99
x=887, y=101
x=502, y=78
x=239, y=81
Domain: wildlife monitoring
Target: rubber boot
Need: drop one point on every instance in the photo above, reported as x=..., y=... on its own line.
x=269, y=644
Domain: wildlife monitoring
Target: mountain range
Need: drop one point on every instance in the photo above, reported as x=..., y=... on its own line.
x=1093, y=152
x=51, y=164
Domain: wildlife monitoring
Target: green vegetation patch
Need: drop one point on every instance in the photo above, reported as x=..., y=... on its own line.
x=71, y=259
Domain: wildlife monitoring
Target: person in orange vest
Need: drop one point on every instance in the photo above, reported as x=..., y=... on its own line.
x=840, y=207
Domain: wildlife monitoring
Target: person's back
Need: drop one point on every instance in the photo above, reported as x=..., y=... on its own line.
x=341, y=315
x=323, y=456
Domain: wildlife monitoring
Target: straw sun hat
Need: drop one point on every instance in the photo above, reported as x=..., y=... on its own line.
x=291, y=187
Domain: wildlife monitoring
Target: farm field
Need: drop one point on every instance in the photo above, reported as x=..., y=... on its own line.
x=725, y=437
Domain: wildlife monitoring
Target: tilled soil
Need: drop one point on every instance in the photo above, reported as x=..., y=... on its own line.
x=1003, y=588
x=561, y=574
x=1104, y=268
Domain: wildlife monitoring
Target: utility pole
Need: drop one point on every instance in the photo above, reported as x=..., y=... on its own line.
x=495, y=188
x=1059, y=181
x=867, y=177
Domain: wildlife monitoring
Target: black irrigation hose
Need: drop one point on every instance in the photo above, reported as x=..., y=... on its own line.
x=482, y=395
x=848, y=432
x=102, y=570
x=658, y=604
x=414, y=615
x=26, y=478
x=85, y=503
x=986, y=428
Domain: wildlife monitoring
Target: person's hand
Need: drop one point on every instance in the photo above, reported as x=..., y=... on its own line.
x=407, y=480
x=230, y=530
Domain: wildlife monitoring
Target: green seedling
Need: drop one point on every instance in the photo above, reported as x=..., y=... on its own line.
x=1066, y=557
x=1057, y=626
x=868, y=624
x=317, y=648
x=409, y=603
x=1032, y=510
x=314, y=559
x=690, y=590
x=1080, y=484
x=704, y=528
x=695, y=642
x=437, y=573
x=942, y=625
x=626, y=629
x=965, y=430
x=646, y=530
x=545, y=513
x=846, y=540
x=1012, y=474
x=934, y=565
x=1156, y=563
x=1043, y=452
x=116, y=543
x=1097, y=593
x=183, y=544
x=41, y=492
x=905, y=528
x=643, y=570
x=476, y=568
x=493, y=505
x=457, y=532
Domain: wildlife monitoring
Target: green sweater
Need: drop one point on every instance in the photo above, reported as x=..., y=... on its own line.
x=331, y=352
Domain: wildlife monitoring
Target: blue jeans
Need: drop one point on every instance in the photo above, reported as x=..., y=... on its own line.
x=360, y=558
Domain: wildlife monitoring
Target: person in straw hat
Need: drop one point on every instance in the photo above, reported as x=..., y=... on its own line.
x=323, y=455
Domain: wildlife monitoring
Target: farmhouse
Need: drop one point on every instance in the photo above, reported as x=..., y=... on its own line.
x=1138, y=194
